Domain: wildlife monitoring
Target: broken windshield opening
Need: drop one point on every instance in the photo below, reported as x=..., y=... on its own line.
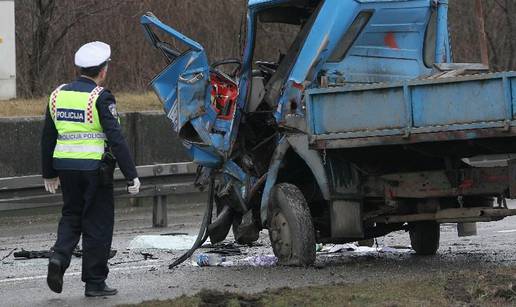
x=160, y=37
x=278, y=28
x=278, y=44
x=273, y=40
x=169, y=46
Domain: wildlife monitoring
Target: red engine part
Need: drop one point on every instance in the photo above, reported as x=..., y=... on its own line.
x=224, y=93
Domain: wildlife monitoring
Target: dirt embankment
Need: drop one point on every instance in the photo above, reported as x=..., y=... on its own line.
x=461, y=288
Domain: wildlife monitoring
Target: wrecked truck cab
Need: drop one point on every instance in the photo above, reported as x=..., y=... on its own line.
x=354, y=131
x=260, y=139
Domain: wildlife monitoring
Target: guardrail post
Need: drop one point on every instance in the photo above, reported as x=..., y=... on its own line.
x=159, y=211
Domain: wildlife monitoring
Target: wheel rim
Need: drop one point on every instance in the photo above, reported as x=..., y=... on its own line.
x=280, y=236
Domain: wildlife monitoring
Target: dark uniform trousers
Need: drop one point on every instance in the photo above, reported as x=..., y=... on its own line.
x=88, y=210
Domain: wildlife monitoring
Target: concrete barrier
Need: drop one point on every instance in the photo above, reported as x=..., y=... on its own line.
x=149, y=135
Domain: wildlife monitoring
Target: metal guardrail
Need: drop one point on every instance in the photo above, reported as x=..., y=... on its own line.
x=158, y=181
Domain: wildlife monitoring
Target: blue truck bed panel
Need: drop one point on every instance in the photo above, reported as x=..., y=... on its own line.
x=330, y=115
x=458, y=103
x=461, y=104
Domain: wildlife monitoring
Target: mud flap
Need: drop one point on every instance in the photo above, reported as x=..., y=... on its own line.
x=346, y=193
x=346, y=219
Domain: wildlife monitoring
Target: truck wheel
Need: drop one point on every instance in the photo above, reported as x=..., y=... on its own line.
x=424, y=237
x=291, y=230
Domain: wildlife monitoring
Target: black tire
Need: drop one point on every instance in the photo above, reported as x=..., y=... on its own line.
x=291, y=230
x=424, y=237
x=219, y=229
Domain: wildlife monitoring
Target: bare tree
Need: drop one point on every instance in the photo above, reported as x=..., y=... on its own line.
x=49, y=31
x=501, y=35
x=46, y=26
x=499, y=16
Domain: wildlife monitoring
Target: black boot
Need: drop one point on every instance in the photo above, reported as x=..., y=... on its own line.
x=102, y=289
x=55, y=275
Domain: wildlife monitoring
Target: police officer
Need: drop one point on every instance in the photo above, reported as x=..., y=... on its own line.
x=81, y=135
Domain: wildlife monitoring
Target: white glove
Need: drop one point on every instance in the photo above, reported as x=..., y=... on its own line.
x=135, y=188
x=51, y=184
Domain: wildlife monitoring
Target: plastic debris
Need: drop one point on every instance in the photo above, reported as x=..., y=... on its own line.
x=208, y=260
x=211, y=259
x=262, y=260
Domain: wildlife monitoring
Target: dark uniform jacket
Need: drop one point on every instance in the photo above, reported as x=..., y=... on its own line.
x=109, y=121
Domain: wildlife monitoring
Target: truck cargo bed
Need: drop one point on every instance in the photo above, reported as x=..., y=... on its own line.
x=415, y=111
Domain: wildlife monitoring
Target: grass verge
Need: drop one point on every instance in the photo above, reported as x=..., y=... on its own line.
x=461, y=288
x=126, y=102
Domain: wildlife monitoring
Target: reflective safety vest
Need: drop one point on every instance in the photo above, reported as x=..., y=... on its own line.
x=80, y=135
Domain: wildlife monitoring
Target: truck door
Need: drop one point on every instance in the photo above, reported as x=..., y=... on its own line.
x=184, y=85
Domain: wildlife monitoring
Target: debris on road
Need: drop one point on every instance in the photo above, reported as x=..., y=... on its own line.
x=174, y=234
x=228, y=249
x=32, y=254
x=24, y=254
x=507, y=231
x=166, y=242
x=395, y=249
x=212, y=259
x=340, y=248
x=8, y=254
x=208, y=260
x=78, y=253
x=336, y=248
x=147, y=256
x=262, y=260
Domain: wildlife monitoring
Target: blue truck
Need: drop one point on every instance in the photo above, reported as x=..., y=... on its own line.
x=362, y=127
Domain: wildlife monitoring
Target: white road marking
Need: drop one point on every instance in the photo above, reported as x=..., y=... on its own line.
x=507, y=231
x=73, y=273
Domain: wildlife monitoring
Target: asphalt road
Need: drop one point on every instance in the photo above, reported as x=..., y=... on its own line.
x=23, y=283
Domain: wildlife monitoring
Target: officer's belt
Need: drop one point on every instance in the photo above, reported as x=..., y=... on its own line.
x=81, y=136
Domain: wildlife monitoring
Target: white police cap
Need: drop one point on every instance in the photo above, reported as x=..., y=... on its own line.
x=92, y=54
